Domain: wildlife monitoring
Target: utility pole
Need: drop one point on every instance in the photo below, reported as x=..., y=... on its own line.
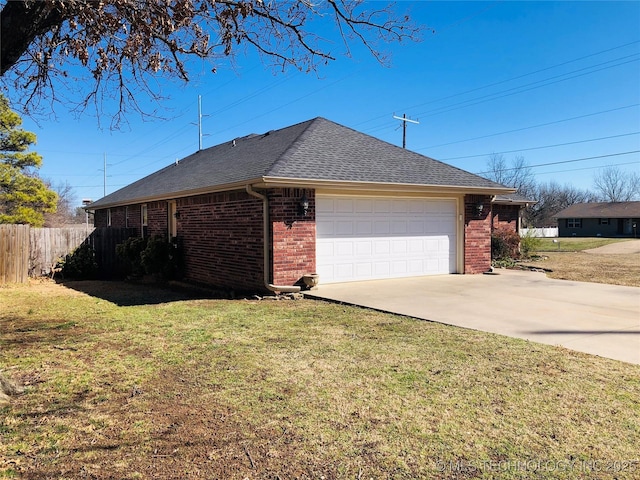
x=404, y=120
x=104, y=174
x=199, y=122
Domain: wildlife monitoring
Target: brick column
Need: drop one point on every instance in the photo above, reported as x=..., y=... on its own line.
x=477, y=234
x=293, y=235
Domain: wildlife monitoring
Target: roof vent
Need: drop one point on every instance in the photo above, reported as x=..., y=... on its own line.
x=233, y=144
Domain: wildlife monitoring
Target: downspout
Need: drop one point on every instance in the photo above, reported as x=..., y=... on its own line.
x=265, y=243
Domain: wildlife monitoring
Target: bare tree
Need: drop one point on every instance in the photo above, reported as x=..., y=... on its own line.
x=614, y=185
x=551, y=198
x=124, y=45
x=65, y=213
x=515, y=173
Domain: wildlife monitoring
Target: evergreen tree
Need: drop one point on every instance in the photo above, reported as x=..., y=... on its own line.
x=24, y=198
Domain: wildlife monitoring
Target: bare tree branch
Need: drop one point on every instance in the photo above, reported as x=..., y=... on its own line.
x=123, y=46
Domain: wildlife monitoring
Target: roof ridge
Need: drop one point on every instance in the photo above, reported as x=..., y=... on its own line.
x=285, y=155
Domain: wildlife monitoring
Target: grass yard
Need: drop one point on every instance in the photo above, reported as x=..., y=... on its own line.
x=574, y=244
x=133, y=382
x=566, y=260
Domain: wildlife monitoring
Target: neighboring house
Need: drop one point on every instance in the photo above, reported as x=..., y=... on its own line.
x=261, y=211
x=506, y=211
x=608, y=219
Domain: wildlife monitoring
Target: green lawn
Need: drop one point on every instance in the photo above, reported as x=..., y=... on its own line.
x=574, y=244
x=134, y=382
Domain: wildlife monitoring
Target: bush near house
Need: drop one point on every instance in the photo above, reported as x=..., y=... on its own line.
x=80, y=264
x=152, y=256
x=505, y=245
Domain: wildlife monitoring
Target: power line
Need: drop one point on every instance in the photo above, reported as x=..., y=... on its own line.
x=505, y=81
x=563, y=161
x=589, y=168
x=532, y=126
x=539, y=148
x=503, y=94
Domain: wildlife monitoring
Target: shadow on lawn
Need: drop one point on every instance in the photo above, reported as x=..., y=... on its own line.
x=126, y=294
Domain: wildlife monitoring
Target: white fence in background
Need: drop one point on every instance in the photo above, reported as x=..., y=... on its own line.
x=550, y=232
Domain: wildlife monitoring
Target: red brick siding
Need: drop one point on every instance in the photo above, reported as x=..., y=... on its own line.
x=134, y=218
x=222, y=239
x=505, y=216
x=157, y=218
x=293, y=235
x=477, y=234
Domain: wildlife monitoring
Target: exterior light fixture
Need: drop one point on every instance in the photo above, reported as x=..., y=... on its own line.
x=304, y=204
x=479, y=208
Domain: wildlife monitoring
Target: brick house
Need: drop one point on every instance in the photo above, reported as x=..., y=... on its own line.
x=506, y=211
x=261, y=211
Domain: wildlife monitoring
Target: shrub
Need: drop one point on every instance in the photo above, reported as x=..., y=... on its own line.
x=529, y=244
x=161, y=258
x=130, y=255
x=505, y=244
x=153, y=256
x=80, y=264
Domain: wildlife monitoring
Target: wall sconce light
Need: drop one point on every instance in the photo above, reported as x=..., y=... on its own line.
x=479, y=209
x=176, y=215
x=304, y=204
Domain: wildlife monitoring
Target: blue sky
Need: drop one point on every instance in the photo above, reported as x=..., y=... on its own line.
x=509, y=76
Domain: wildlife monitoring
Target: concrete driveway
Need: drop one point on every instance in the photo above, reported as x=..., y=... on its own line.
x=593, y=318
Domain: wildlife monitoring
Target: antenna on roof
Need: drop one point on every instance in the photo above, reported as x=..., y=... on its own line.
x=404, y=120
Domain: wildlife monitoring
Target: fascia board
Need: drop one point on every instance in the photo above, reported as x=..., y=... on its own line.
x=271, y=182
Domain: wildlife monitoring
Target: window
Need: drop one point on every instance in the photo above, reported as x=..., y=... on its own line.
x=603, y=221
x=126, y=217
x=108, y=217
x=172, y=220
x=144, y=220
x=574, y=223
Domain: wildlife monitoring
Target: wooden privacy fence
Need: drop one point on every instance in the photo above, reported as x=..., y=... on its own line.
x=14, y=253
x=26, y=251
x=48, y=245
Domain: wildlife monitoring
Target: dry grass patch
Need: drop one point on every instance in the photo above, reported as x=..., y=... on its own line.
x=565, y=260
x=294, y=389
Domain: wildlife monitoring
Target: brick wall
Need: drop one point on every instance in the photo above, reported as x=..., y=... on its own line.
x=293, y=235
x=157, y=218
x=477, y=234
x=505, y=216
x=134, y=218
x=222, y=239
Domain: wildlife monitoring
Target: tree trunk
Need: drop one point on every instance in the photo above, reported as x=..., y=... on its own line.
x=20, y=25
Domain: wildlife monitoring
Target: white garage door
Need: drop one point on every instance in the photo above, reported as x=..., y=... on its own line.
x=362, y=238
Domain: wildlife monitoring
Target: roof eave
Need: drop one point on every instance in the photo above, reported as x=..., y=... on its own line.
x=380, y=186
x=275, y=182
x=174, y=195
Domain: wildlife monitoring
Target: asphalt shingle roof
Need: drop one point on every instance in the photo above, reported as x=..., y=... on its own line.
x=601, y=210
x=317, y=149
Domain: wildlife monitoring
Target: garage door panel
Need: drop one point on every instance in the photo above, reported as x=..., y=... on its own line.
x=344, y=249
x=324, y=228
x=368, y=238
x=364, y=206
x=382, y=206
x=364, y=227
x=344, y=205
